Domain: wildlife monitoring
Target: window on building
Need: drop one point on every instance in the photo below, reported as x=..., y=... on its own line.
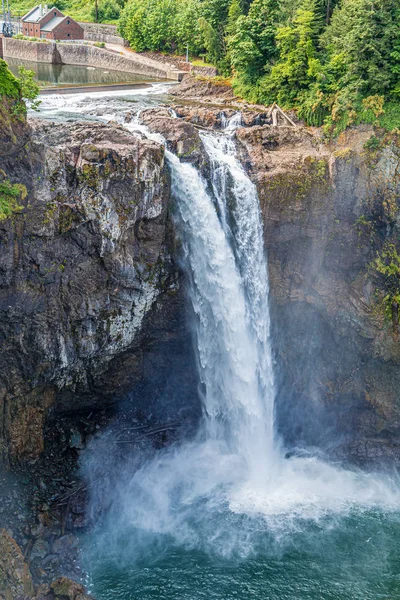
x=68, y=21
x=68, y=34
x=55, y=14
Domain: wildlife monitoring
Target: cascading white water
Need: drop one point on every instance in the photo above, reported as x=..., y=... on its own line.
x=244, y=229
x=230, y=299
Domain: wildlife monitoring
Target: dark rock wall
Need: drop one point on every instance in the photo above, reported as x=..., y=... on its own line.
x=337, y=357
x=81, y=268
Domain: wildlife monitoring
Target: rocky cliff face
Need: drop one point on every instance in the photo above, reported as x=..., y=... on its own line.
x=80, y=268
x=329, y=211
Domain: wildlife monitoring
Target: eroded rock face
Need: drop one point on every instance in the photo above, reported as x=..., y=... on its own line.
x=181, y=138
x=80, y=268
x=91, y=305
x=15, y=578
x=327, y=211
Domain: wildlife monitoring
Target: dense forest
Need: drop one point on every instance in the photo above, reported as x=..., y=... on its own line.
x=336, y=62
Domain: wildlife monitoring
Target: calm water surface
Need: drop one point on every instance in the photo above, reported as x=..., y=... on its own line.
x=59, y=75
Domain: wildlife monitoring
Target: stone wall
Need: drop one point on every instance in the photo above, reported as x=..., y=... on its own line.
x=90, y=56
x=24, y=50
x=97, y=32
x=204, y=71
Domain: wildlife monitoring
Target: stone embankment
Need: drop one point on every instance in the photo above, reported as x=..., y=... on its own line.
x=100, y=32
x=89, y=56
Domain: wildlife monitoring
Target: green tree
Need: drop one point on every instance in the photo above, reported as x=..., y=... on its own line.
x=366, y=34
x=29, y=88
x=187, y=28
x=107, y=10
x=252, y=46
x=298, y=68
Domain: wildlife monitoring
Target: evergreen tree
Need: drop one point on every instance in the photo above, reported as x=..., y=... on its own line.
x=298, y=66
x=365, y=35
x=253, y=47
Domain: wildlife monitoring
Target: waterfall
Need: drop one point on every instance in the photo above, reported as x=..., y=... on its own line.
x=230, y=491
x=229, y=294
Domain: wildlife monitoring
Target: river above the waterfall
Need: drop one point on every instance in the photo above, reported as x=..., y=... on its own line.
x=227, y=515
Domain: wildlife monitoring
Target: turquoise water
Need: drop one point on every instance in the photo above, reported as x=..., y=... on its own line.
x=356, y=557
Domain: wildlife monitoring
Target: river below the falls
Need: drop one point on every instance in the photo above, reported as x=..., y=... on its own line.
x=228, y=515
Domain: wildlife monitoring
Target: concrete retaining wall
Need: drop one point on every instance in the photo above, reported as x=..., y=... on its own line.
x=204, y=71
x=97, y=32
x=85, y=55
x=34, y=51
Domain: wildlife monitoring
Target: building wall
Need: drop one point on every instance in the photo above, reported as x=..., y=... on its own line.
x=49, y=16
x=67, y=30
x=31, y=29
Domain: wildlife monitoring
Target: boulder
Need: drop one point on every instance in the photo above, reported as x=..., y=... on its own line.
x=15, y=578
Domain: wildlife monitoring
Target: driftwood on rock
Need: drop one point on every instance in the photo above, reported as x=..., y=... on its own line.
x=277, y=114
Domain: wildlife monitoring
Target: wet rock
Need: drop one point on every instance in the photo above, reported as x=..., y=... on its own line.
x=66, y=589
x=43, y=592
x=66, y=544
x=15, y=578
x=181, y=137
x=40, y=549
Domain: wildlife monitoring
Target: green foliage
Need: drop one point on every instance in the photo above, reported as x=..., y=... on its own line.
x=387, y=268
x=107, y=11
x=373, y=143
x=10, y=196
x=162, y=25
x=81, y=10
x=29, y=88
x=337, y=62
x=19, y=36
x=298, y=69
x=9, y=85
x=252, y=44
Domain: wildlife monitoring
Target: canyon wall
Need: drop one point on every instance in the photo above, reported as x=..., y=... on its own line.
x=85, y=270
x=330, y=211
